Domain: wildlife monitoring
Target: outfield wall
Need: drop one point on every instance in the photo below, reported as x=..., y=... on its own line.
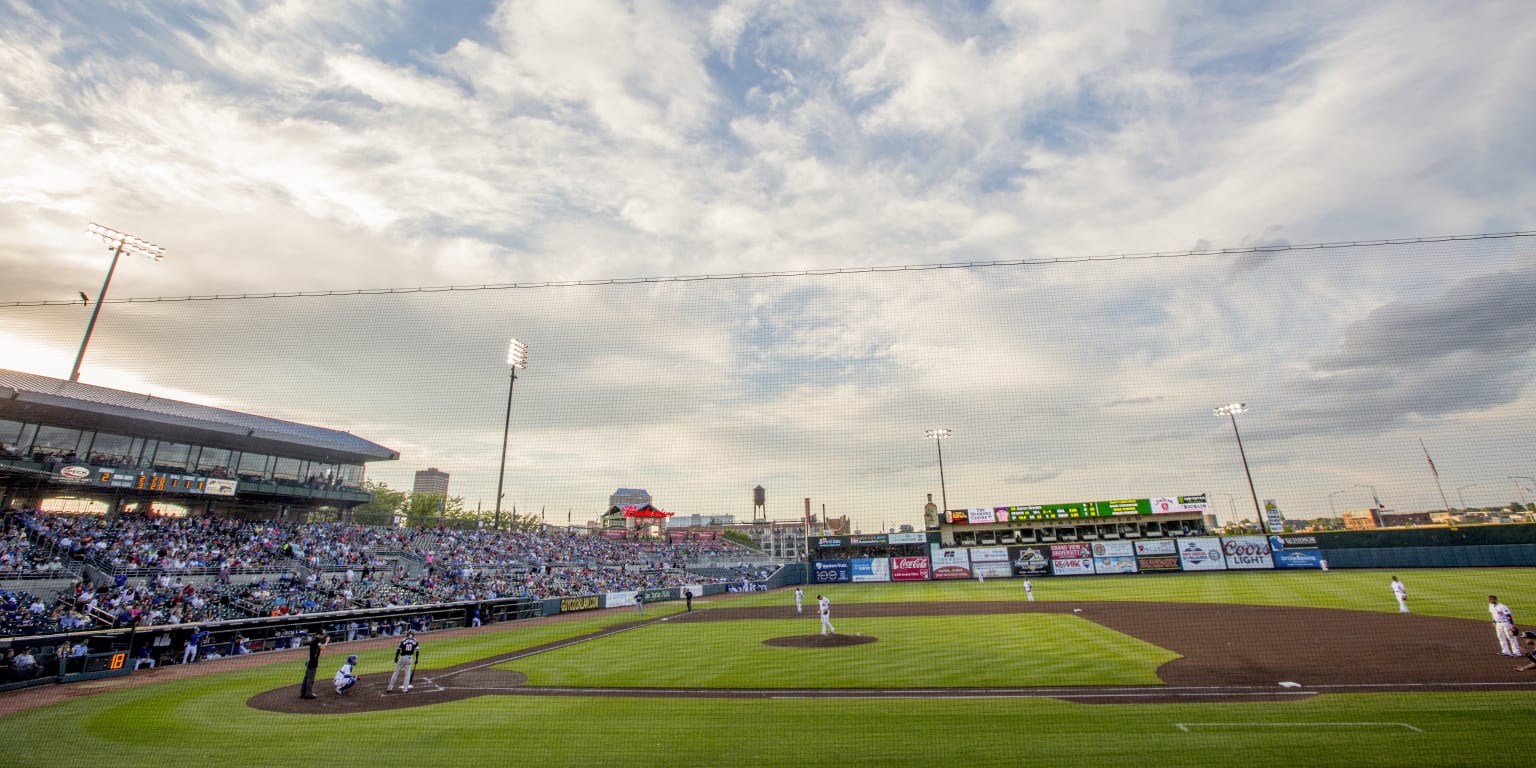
x=839, y=561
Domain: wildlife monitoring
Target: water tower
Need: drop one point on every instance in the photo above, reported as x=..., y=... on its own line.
x=759, y=508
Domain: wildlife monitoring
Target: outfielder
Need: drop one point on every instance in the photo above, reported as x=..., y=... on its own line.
x=799, y=601
x=1504, y=627
x=406, y=656
x=1401, y=593
x=826, y=614
x=346, y=677
x=1029, y=589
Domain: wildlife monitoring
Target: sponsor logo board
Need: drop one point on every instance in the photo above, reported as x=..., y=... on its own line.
x=951, y=563
x=584, y=603
x=1157, y=563
x=992, y=570
x=871, y=569
x=1072, y=566
x=220, y=487
x=1201, y=553
x=73, y=472
x=989, y=554
x=1028, y=561
x=1158, y=547
x=909, y=569
x=1113, y=549
x=1246, y=552
x=1125, y=564
x=1298, y=558
x=831, y=571
x=983, y=515
x=957, y=517
x=908, y=538
x=1071, y=551
x=1277, y=543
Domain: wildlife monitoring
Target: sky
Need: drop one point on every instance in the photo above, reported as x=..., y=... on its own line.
x=588, y=160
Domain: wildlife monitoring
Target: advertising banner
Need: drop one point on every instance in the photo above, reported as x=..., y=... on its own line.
x=1113, y=549
x=1272, y=514
x=1201, y=553
x=1114, y=565
x=983, y=515
x=829, y=542
x=589, y=603
x=1029, y=561
x=1071, y=559
x=877, y=540
x=1170, y=504
x=1298, y=558
x=951, y=563
x=1292, y=541
x=831, y=571
x=1146, y=563
x=957, y=517
x=1156, y=547
x=1000, y=570
x=1246, y=552
x=613, y=534
x=1070, y=551
x=611, y=600
x=218, y=487
x=908, y=538
x=870, y=569
x=989, y=554
x=909, y=569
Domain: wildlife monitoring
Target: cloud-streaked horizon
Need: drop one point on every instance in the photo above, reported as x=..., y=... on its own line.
x=378, y=144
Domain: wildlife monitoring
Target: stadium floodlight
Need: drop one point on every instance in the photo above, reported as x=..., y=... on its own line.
x=937, y=435
x=118, y=243
x=517, y=357
x=1230, y=411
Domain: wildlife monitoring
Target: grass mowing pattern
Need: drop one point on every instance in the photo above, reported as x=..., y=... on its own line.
x=1011, y=650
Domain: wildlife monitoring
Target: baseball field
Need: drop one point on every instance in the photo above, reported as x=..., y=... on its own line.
x=1256, y=669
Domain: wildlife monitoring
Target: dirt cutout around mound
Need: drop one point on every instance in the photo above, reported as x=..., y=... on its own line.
x=819, y=641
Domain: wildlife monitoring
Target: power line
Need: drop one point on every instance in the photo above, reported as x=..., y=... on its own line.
x=1280, y=248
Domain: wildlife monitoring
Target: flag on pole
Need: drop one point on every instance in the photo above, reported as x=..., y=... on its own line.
x=1432, y=469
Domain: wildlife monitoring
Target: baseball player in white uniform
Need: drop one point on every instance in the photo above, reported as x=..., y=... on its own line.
x=1029, y=589
x=1503, y=627
x=1401, y=593
x=826, y=614
x=799, y=601
x=406, y=655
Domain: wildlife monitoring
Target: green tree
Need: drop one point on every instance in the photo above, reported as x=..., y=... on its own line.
x=424, y=510
x=381, y=510
x=739, y=538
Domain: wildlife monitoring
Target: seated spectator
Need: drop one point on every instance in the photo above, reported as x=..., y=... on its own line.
x=25, y=665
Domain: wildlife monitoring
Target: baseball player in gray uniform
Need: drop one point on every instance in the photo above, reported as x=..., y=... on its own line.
x=799, y=601
x=407, y=653
x=826, y=614
x=1401, y=593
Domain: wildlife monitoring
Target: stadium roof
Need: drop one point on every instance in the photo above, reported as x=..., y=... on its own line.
x=29, y=397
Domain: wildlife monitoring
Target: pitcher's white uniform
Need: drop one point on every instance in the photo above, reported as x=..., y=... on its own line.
x=826, y=614
x=799, y=601
x=1029, y=589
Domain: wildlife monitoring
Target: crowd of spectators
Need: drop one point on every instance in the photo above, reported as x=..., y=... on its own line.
x=159, y=571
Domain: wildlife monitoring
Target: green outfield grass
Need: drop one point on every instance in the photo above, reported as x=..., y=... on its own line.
x=1455, y=592
x=1023, y=649
x=206, y=720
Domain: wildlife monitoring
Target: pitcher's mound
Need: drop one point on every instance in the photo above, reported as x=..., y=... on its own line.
x=819, y=641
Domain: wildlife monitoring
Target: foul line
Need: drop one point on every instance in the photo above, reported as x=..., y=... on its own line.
x=1186, y=726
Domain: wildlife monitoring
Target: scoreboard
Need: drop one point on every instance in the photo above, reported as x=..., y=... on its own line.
x=133, y=478
x=1079, y=509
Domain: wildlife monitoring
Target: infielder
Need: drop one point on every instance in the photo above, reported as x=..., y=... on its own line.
x=346, y=677
x=1503, y=627
x=407, y=653
x=1401, y=593
x=799, y=601
x=826, y=614
x=1029, y=589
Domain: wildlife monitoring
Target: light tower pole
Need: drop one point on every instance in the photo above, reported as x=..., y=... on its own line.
x=1230, y=411
x=119, y=243
x=517, y=357
x=937, y=435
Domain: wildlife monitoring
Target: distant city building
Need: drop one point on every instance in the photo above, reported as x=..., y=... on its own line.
x=1361, y=519
x=696, y=521
x=1210, y=522
x=433, y=481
